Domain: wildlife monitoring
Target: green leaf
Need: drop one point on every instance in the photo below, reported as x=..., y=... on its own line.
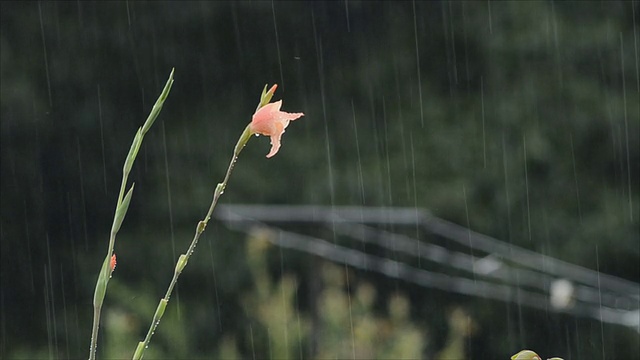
x=133, y=152
x=101, y=284
x=219, y=190
x=266, y=96
x=160, y=310
x=121, y=211
x=155, y=111
x=182, y=262
x=242, y=141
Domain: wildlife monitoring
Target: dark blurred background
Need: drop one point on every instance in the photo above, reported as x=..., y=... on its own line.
x=519, y=120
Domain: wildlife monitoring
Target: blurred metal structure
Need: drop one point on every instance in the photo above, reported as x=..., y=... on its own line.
x=495, y=269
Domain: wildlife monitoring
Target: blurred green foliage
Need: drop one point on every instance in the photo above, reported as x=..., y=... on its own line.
x=523, y=124
x=344, y=325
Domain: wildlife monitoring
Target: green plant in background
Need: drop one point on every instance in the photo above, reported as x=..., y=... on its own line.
x=125, y=320
x=461, y=327
x=108, y=265
x=350, y=328
x=347, y=327
x=273, y=306
x=228, y=349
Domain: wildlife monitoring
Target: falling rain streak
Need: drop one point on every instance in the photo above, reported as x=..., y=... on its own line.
x=626, y=125
x=415, y=34
x=44, y=51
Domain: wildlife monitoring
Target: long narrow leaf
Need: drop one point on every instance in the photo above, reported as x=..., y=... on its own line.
x=158, y=105
x=133, y=152
x=121, y=211
x=101, y=285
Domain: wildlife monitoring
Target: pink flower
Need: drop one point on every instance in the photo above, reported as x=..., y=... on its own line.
x=268, y=120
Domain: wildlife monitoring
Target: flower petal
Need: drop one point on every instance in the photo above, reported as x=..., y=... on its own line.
x=263, y=119
x=270, y=121
x=275, y=139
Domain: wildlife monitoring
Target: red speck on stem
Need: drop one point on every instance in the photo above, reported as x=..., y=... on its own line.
x=112, y=263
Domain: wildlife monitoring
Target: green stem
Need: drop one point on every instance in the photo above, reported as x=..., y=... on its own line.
x=94, y=330
x=121, y=210
x=184, y=258
x=103, y=280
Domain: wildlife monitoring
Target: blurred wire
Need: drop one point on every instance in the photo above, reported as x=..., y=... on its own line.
x=611, y=300
x=489, y=266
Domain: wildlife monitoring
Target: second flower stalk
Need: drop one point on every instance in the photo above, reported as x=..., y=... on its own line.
x=268, y=120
